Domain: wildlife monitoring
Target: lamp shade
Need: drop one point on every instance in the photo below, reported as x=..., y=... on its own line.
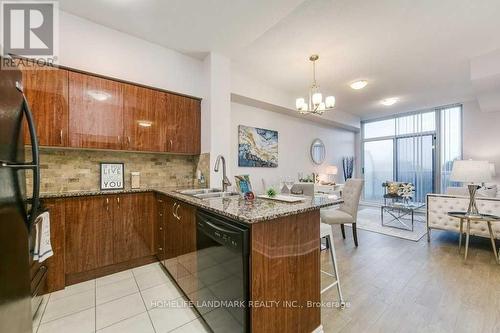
x=332, y=170
x=468, y=171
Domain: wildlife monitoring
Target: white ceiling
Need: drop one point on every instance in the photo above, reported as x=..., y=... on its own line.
x=194, y=27
x=418, y=51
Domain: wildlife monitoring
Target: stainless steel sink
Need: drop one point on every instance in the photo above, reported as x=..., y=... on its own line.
x=200, y=191
x=215, y=195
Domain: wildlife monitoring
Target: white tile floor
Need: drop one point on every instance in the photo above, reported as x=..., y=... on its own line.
x=123, y=302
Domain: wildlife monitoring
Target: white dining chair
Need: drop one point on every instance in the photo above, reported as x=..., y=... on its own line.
x=347, y=213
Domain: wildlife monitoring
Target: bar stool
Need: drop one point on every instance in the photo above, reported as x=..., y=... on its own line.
x=326, y=232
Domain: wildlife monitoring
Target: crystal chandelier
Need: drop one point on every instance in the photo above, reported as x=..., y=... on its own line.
x=315, y=104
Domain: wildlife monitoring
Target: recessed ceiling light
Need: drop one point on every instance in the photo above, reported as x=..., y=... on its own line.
x=359, y=84
x=389, y=101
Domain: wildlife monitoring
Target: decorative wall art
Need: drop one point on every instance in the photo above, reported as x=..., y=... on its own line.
x=112, y=176
x=257, y=147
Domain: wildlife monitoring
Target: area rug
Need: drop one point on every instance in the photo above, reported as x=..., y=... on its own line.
x=369, y=220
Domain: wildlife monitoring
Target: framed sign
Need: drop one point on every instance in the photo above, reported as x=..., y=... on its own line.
x=112, y=176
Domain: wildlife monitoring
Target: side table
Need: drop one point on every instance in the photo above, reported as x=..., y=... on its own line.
x=479, y=218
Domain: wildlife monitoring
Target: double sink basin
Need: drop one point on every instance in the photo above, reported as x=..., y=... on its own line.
x=208, y=193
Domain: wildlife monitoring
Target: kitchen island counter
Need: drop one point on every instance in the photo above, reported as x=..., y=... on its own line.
x=233, y=207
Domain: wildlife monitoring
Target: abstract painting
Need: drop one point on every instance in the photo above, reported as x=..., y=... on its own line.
x=257, y=147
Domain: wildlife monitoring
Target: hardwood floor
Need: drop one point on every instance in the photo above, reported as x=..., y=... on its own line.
x=396, y=285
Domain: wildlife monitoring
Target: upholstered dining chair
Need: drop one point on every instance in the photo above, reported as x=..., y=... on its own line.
x=348, y=211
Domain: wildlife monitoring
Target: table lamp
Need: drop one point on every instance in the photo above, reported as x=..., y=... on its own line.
x=472, y=173
x=331, y=171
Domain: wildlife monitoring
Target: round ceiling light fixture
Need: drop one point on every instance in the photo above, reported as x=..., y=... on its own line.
x=389, y=101
x=359, y=84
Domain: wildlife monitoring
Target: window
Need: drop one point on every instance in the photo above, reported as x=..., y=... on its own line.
x=419, y=148
x=451, y=142
x=379, y=128
x=416, y=123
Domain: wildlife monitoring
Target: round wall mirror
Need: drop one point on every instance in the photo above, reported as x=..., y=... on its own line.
x=318, y=151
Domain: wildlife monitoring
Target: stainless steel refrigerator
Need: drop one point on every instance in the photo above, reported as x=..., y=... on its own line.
x=17, y=211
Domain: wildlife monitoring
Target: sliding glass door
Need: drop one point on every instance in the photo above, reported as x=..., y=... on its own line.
x=415, y=164
x=418, y=147
x=378, y=167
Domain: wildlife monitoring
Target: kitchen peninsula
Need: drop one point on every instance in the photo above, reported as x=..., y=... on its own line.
x=264, y=253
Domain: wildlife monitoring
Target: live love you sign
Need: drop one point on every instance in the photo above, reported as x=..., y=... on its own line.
x=112, y=176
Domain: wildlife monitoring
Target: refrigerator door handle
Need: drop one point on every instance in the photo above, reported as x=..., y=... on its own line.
x=35, y=163
x=35, y=201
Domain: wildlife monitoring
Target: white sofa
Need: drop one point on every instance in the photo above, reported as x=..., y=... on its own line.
x=438, y=205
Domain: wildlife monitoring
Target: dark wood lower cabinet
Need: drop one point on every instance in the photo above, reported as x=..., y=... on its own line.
x=89, y=233
x=133, y=223
x=108, y=233
x=179, y=220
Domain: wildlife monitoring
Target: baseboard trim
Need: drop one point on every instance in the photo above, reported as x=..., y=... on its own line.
x=74, y=278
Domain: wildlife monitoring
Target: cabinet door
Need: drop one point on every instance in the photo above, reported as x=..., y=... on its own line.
x=183, y=124
x=47, y=93
x=95, y=112
x=144, y=123
x=133, y=226
x=171, y=229
x=171, y=237
x=186, y=248
x=89, y=233
x=187, y=221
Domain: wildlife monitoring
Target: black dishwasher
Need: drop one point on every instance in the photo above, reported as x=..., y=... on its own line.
x=222, y=271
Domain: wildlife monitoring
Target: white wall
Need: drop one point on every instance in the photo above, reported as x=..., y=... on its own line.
x=94, y=48
x=216, y=111
x=481, y=135
x=294, y=139
x=244, y=85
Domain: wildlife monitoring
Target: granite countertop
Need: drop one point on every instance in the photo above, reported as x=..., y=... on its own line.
x=233, y=207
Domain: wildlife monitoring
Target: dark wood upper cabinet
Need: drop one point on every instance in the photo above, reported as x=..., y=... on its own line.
x=133, y=226
x=95, y=112
x=46, y=90
x=183, y=124
x=89, y=233
x=143, y=119
x=79, y=110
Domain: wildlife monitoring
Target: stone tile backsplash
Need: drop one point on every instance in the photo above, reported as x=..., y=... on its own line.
x=65, y=170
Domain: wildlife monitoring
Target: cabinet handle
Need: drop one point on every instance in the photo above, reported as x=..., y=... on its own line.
x=171, y=143
x=61, y=137
x=161, y=228
x=128, y=139
x=160, y=249
x=118, y=201
x=177, y=212
x=119, y=139
x=173, y=209
x=107, y=204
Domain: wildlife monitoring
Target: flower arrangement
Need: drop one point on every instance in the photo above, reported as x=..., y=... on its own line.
x=406, y=191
